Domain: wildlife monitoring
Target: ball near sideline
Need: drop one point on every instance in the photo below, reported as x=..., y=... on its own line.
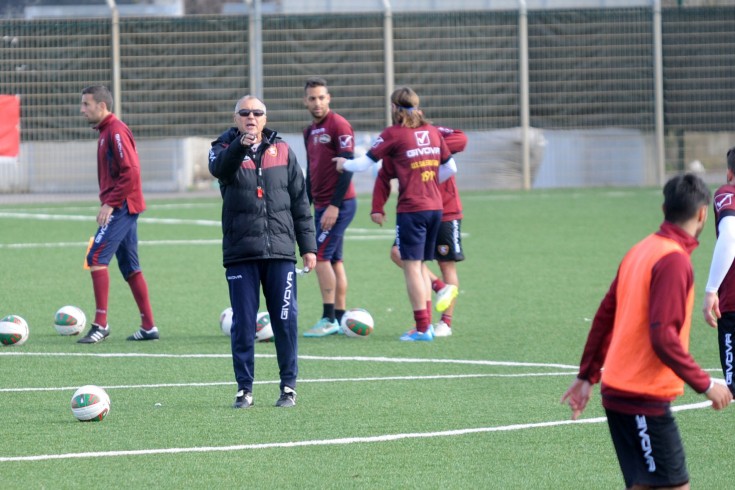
x=13, y=330
x=357, y=322
x=69, y=320
x=90, y=403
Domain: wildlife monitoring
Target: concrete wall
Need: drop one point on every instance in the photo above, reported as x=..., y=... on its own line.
x=492, y=160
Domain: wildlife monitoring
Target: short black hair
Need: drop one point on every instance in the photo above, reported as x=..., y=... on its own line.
x=683, y=196
x=315, y=82
x=731, y=159
x=99, y=93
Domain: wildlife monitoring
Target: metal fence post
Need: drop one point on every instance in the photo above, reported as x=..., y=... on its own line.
x=389, y=71
x=116, y=96
x=659, y=91
x=524, y=108
x=255, y=47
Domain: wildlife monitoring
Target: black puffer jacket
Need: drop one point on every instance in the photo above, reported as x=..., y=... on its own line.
x=263, y=224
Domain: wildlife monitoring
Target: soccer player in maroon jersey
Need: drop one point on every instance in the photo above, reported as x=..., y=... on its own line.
x=719, y=296
x=333, y=195
x=414, y=152
x=449, y=240
x=121, y=198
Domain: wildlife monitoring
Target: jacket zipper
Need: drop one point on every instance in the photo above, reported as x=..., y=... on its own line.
x=260, y=193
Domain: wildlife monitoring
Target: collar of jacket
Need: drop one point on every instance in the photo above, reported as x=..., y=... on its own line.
x=269, y=136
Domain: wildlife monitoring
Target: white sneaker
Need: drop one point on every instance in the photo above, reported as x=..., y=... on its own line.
x=442, y=330
x=323, y=328
x=445, y=296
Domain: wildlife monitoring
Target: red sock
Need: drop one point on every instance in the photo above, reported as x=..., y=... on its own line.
x=422, y=319
x=447, y=319
x=140, y=292
x=101, y=287
x=437, y=284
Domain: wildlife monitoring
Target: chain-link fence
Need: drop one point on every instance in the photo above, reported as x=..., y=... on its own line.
x=592, y=89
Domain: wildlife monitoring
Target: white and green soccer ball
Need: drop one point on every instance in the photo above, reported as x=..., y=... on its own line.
x=69, y=320
x=90, y=403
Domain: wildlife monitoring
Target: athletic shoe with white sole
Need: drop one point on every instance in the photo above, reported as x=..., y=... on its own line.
x=141, y=334
x=287, y=398
x=442, y=330
x=95, y=334
x=445, y=296
x=416, y=336
x=243, y=399
x=323, y=328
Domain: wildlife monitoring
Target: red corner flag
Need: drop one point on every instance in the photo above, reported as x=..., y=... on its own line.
x=9, y=126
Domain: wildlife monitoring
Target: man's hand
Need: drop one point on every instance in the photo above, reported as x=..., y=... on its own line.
x=711, y=309
x=309, y=260
x=340, y=162
x=329, y=217
x=103, y=217
x=248, y=139
x=578, y=394
x=378, y=218
x=720, y=396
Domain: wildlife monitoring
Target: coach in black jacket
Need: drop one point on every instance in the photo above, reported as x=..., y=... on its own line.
x=265, y=212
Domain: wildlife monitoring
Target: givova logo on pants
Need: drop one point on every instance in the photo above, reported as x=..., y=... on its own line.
x=728, y=359
x=286, y=305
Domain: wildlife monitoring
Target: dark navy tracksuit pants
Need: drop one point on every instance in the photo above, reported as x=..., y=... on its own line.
x=278, y=278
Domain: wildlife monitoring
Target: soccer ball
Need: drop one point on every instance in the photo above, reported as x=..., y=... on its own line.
x=263, y=328
x=13, y=330
x=225, y=321
x=90, y=403
x=69, y=320
x=357, y=322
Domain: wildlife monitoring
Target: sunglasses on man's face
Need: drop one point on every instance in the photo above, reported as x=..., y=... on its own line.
x=247, y=112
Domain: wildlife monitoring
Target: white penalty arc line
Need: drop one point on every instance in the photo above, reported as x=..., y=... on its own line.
x=408, y=360
x=301, y=381
x=322, y=442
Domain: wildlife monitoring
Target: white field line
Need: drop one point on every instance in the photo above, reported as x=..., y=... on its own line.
x=91, y=218
x=165, y=221
x=84, y=244
x=300, y=381
x=352, y=233
x=409, y=360
x=322, y=442
x=211, y=241
x=93, y=209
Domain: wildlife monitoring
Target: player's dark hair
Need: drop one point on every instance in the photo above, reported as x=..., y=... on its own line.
x=315, y=82
x=731, y=159
x=99, y=93
x=406, y=110
x=683, y=196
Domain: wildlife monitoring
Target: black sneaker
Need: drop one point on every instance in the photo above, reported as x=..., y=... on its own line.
x=287, y=399
x=243, y=399
x=95, y=334
x=141, y=334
